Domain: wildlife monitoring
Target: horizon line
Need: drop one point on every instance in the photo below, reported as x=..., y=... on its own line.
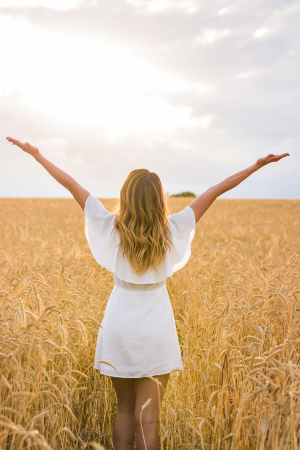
x=117, y=198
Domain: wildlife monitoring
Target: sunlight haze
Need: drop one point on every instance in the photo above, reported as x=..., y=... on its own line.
x=192, y=90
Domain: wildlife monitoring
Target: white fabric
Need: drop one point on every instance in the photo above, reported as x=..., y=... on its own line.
x=138, y=332
x=103, y=241
x=138, y=287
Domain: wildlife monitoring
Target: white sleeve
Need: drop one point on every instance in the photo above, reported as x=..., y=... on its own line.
x=99, y=231
x=183, y=231
x=95, y=211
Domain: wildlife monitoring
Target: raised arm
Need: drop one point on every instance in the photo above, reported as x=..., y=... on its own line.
x=203, y=202
x=79, y=193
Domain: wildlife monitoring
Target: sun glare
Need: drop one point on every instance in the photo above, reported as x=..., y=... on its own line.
x=84, y=82
x=57, y=4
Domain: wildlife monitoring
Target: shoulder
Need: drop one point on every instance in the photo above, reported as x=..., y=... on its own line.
x=94, y=209
x=98, y=219
x=183, y=221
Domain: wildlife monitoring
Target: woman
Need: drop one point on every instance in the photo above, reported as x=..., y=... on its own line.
x=142, y=246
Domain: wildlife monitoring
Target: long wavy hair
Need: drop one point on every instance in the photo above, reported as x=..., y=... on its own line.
x=141, y=221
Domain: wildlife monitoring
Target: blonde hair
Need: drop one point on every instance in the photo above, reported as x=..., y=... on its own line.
x=141, y=221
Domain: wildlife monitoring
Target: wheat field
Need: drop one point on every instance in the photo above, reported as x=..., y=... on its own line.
x=236, y=305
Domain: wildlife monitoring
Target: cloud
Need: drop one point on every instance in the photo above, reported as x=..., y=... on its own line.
x=175, y=37
x=238, y=64
x=187, y=159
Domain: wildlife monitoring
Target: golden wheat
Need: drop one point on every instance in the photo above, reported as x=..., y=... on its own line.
x=236, y=305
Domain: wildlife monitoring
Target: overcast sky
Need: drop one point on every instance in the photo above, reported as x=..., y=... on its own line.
x=193, y=90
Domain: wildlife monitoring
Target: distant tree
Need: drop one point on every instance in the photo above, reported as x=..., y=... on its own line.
x=184, y=194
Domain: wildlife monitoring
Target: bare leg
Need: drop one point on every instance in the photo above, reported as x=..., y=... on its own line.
x=124, y=425
x=145, y=389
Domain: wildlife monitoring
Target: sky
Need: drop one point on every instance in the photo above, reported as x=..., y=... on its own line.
x=193, y=90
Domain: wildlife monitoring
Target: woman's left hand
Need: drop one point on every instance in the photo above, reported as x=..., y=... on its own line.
x=270, y=158
x=34, y=151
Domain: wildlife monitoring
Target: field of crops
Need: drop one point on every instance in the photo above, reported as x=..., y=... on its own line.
x=236, y=305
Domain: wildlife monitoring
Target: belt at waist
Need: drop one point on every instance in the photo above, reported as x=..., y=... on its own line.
x=138, y=287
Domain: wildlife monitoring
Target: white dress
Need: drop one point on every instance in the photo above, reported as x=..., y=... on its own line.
x=138, y=333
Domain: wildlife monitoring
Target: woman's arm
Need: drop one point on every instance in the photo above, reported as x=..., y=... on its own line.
x=79, y=193
x=203, y=202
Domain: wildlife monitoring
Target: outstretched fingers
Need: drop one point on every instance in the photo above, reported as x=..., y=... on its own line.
x=272, y=158
x=25, y=147
x=14, y=141
x=18, y=143
x=276, y=158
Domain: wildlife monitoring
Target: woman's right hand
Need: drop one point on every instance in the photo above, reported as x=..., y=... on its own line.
x=34, y=151
x=270, y=158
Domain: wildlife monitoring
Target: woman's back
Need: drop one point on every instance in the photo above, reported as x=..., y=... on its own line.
x=104, y=243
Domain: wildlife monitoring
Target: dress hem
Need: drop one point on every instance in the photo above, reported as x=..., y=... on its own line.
x=141, y=376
